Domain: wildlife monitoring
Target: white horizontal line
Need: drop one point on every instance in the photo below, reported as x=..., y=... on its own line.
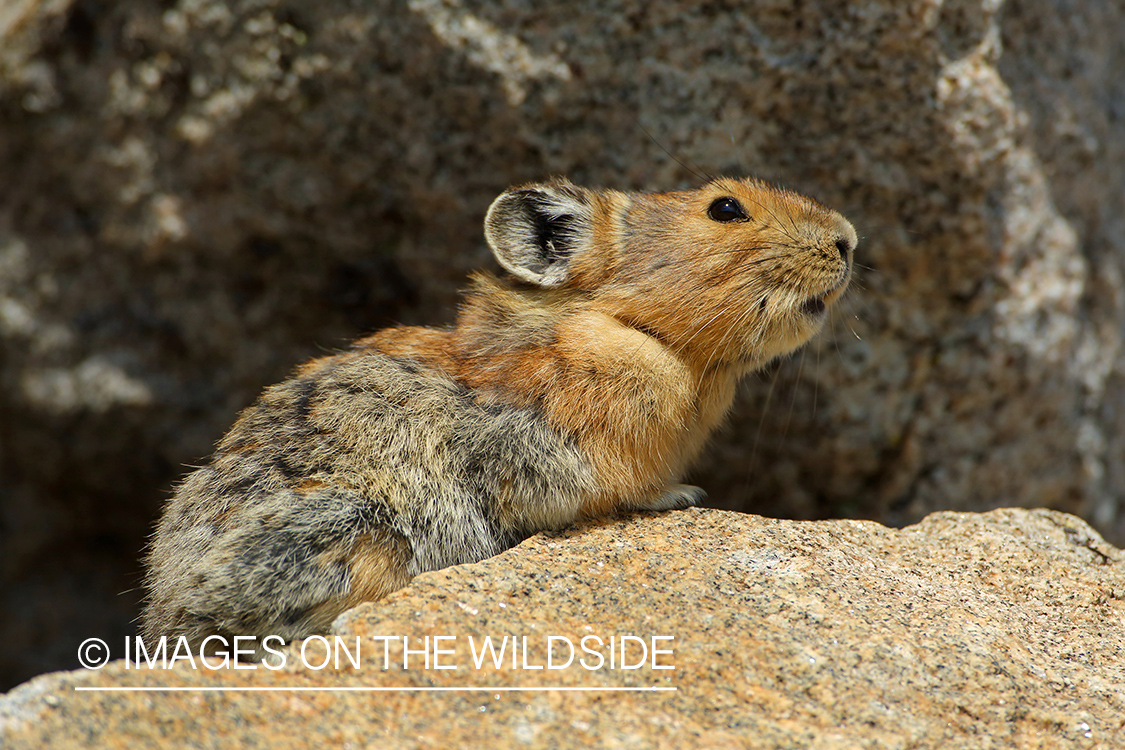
x=261, y=689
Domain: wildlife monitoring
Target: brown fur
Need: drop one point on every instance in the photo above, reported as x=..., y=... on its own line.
x=587, y=383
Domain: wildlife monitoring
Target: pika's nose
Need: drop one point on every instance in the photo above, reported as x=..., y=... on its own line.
x=845, y=239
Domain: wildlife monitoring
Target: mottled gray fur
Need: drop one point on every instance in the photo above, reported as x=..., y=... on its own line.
x=368, y=446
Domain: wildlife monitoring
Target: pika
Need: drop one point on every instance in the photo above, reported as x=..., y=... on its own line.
x=585, y=383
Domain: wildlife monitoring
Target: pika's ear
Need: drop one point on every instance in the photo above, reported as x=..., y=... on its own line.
x=536, y=230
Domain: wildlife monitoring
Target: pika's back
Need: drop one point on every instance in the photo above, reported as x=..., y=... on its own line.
x=584, y=384
x=368, y=460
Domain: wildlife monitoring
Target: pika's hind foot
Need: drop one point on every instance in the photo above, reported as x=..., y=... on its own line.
x=673, y=497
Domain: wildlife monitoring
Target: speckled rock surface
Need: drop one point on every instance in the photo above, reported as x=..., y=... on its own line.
x=1001, y=630
x=199, y=194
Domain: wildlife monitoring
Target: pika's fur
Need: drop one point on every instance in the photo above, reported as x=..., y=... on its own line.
x=585, y=384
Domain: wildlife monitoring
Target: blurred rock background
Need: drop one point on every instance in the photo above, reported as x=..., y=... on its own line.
x=197, y=195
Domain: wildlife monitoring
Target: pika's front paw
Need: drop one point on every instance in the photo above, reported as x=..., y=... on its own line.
x=674, y=497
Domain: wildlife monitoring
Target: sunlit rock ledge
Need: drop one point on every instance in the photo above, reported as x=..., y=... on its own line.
x=1001, y=629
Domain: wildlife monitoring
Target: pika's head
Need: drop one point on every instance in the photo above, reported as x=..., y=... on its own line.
x=735, y=272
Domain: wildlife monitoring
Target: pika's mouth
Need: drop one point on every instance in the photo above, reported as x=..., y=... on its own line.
x=814, y=307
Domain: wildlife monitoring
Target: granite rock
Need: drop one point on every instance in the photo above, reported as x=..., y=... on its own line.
x=997, y=630
x=200, y=194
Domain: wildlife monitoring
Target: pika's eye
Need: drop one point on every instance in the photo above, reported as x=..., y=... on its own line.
x=726, y=209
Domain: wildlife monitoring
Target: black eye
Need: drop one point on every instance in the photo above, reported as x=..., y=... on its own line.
x=726, y=209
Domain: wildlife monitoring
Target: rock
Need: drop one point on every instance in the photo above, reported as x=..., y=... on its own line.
x=966, y=630
x=199, y=195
